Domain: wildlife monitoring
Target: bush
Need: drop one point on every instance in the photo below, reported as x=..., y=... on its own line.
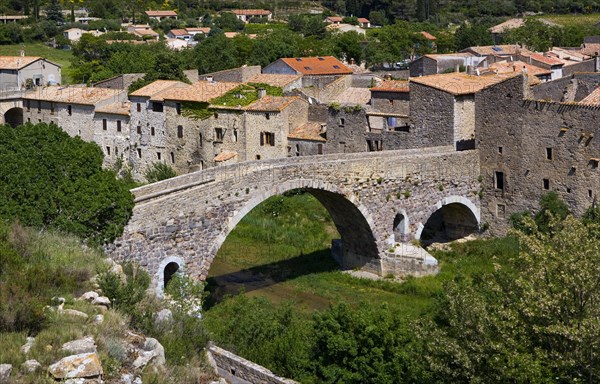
x=159, y=171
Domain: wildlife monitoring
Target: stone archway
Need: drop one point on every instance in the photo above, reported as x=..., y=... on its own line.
x=452, y=218
x=166, y=270
x=352, y=221
x=14, y=117
x=400, y=228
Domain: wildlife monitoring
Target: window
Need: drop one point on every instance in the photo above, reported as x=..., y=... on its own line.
x=267, y=138
x=104, y=124
x=139, y=129
x=500, y=150
x=267, y=116
x=173, y=157
x=235, y=136
x=51, y=108
x=546, y=184
x=342, y=122
x=499, y=180
x=321, y=59
x=69, y=110
x=319, y=149
x=548, y=153
x=29, y=119
x=118, y=125
x=590, y=193
x=336, y=66
x=391, y=101
x=158, y=155
x=298, y=59
x=257, y=157
x=39, y=105
x=219, y=134
x=297, y=150
x=374, y=145
x=139, y=153
x=216, y=115
x=307, y=68
x=152, y=131
x=180, y=131
x=139, y=107
x=107, y=151
x=28, y=104
x=178, y=108
x=594, y=163
x=500, y=210
x=200, y=140
x=157, y=107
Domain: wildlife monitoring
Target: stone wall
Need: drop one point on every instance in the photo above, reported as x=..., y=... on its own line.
x=190, y=216
x=539, y=147
x=391, y=102
x=327, y=88
x=432, y=116
x=584, y=66
x=232, y=367
x=114, y=140
x=238, y=75
x=120, y=82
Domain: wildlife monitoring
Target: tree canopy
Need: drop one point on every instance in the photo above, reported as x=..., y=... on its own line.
x=50, y=180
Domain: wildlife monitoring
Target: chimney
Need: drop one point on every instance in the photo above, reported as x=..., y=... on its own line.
x=209, y=78
x=388, y=76
x=262, y=93
x=352, y=62
x=457, y=68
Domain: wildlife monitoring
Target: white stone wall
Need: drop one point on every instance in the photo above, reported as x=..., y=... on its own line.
x=113, y=143
x=464, y=118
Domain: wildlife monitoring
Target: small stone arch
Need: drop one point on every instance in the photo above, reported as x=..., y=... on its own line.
x=14, y=117
x=400, y=227
x=166, y=269
x=348, y=215
x=460, y=207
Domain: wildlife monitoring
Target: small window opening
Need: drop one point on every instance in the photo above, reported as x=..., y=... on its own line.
x=180, y=131
x=69, y=110
x=173, y=157
x=157, y=107
x=152, y=131
x=104, y=125
x=158, y=155
x=499, y=180
x=235, y=135
x=500, y=150
x=170, y=270
x=219, y=134
x=139, y=153
x=546, y=184
x=52, y=108
x=178, y=108
x=548, y=153
x=139, y=107
x=590, y=193
x=39, y=105
x=139, y=129
x=257, y=157
x=199, y=140
x=319, y=149
x=342, y=122
x=108, y=151
x=118, y=125
x=28, y=103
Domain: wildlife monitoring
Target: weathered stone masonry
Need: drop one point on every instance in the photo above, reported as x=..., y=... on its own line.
x=188, y=218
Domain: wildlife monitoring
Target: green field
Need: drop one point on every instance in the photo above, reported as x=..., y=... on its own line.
x=57, y=56
x=281, y=251
x=573, y=19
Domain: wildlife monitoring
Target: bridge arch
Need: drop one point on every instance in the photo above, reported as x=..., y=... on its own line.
x=353, y=222
x=452, y=217
x=166, y=269
x=14, y=116
x=400, y=227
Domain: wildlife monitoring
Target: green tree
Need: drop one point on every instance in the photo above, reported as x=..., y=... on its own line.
x=159, y=171
x=52, y=180
x=229, y=22
x=54, y=12
x=537, y=319
x=216, y=53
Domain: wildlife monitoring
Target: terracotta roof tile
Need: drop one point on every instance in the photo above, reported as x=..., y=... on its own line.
x=271, y=104
x=325, y=65
x=517, y=66
x=363, y=20
x=121, y=108
x=496, y=50
x=202, y=91
x=225, y=155
x=74, y=95
x=544, y=59
x=428, y=35
x=461, y=83
x=309, y=131
x=353, y=95
x=161, y=13
x=179, y=32
x=392, y=86
x=274, y=79
x=334, y=19
x=205, y=30
x=591, y=49
x=156, y=87
x=252, y=12
x=592, y=99
x=16, y=62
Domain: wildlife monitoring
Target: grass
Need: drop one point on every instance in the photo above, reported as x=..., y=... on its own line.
x=57, y=56
x=573, y=19
x=281, y=251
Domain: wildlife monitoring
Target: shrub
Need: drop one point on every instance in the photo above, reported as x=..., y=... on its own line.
x=159, y=171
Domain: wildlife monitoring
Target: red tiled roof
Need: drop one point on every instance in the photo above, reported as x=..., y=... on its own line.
x=17, y=62
x=545, y=59
x=428, y=35
x=326, y=65
x=592, y=99
x=119, y=108
x=487, y=50
x=179, y=32
x=252, y=12
x=308, y=131
x=225, y=155
x=363, y=20
x=156, y=87
x=74, y=95
x=517, y=66
x=392, y=86
x=334, y=19
x=591, y=49
x=205, y=30
x=461, y=83
x=201, y=91
x=161, y=13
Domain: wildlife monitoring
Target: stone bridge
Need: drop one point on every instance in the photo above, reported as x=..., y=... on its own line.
x=11, y=107
x=379, y=201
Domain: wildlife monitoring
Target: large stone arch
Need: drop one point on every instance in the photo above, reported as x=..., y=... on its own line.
x=14, y=116
x=351, y=218
x=458, y=206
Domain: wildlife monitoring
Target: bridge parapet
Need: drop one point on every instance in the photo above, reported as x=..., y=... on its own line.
x=188, y=218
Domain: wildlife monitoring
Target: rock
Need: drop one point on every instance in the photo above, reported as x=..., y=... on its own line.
x=102, y=300
x=5, y=370
x=85, y=365
x=153, y=353
x=89, y=296
x=83, y=381
x=98, y=319
x=75, y=313
x=31, y=366
x=127, y=378
x=163, y=317
x=76, y=347
x=27, y=347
